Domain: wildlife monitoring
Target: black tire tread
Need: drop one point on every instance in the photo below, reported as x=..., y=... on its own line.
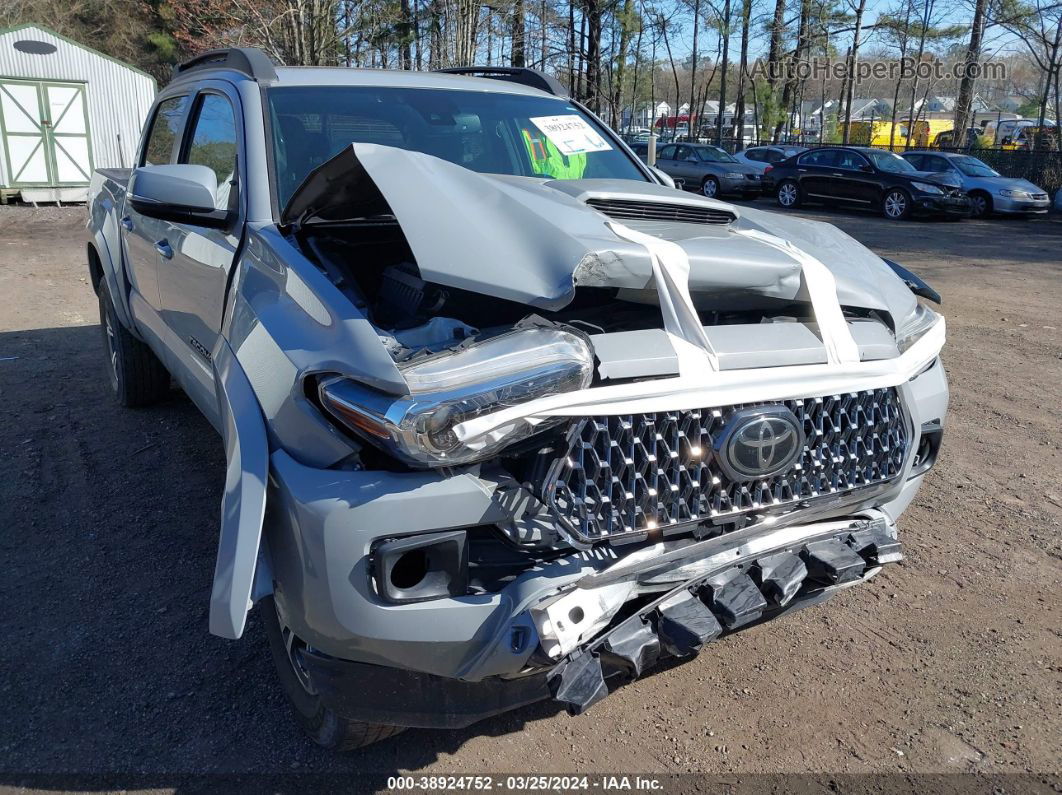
x=324, y=726
x=142, y=379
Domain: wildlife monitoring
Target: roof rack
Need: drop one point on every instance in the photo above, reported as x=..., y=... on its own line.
x=512, y=74
x=251, y=62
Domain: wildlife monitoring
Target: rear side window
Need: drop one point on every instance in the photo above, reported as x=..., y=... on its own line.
x=914, y=160
x=774, y=156
x=213, y=143
x=165, y=128
x=755, y=154
x=819, y=157
x=667, y=153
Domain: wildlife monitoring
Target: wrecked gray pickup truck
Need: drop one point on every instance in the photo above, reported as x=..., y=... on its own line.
x=507, y=418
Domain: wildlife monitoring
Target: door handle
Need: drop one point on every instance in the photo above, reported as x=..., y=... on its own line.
x=802, y=170
x=127, y=224
x=163, y=247
x=837, y=174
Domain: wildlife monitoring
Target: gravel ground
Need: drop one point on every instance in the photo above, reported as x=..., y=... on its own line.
x=949, y=662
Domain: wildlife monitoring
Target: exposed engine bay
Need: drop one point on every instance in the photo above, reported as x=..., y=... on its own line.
x=467, y=354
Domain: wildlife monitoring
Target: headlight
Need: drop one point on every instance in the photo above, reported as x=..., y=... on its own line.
x=925, y=187
x=923, y=320
x=448, y=388
x=734, y=175
x=1015, y=194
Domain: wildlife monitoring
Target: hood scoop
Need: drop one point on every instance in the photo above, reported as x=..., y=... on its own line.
x=672, y=212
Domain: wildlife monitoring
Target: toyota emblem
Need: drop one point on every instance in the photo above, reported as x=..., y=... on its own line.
x=760, y=442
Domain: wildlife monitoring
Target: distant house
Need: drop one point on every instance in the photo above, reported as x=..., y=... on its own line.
x=863, y=108
x=65, y=109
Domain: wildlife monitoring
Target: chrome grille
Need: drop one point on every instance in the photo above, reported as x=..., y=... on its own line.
x=624, y=475
x=628, y=210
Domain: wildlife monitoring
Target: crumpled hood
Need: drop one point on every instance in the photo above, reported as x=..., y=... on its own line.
x=535, y=241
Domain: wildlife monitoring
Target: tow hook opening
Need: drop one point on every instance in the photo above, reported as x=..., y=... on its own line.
x=928, y=447
x=422, y=567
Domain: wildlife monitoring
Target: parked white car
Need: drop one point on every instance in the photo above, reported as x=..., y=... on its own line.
x=759, y=157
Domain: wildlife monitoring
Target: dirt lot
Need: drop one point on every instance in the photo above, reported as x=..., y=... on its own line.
x=949, y=662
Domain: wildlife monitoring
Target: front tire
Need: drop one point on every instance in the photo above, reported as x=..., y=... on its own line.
x=980, y=204
x=710, y=187
x=788, y=194
x=896, y=205
x=324, y=726
x=136, y=375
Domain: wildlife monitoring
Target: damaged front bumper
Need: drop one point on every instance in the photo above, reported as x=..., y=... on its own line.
x=743, y=583
x=452, y=660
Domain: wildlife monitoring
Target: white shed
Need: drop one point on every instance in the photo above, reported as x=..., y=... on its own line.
x=65, y=109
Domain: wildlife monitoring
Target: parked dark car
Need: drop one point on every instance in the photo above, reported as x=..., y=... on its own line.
x=709, y=170
x=864, y=177
x=640, y=148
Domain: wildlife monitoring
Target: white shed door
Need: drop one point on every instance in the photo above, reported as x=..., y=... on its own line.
x=45, y=133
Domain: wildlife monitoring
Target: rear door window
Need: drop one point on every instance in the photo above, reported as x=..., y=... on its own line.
x=165, y=132
x=819, y=157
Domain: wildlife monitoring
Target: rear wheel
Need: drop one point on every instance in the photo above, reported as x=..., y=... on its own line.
x=136, y=375
x=980, y=204
x=788, y=194
x=324, y=726
x=896, y=205
x=710, y=187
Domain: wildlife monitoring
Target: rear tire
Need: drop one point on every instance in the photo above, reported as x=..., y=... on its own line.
x=788, y=194
x=136, y=375
x=324, y=726
x=896, y=205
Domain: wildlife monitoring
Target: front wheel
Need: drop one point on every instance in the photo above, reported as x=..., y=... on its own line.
x=788, y=194
x=710, y=187
x=324, y=726
x=980, y=204
x=896, y=205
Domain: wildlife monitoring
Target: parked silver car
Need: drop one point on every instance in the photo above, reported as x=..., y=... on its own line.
x=990, y=192
x=709, y=170
x=759, y=157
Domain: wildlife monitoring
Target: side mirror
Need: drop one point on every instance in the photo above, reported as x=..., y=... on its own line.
x=867, y=168
x=663, y=176
x=183, y=193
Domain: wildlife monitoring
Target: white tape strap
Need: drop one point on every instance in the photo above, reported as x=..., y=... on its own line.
x=822, y=288
x=671, y=272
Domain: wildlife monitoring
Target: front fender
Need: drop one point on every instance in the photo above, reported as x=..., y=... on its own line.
x=243, y=503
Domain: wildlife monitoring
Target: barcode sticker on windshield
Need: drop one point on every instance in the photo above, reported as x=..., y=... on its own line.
x=571, y=134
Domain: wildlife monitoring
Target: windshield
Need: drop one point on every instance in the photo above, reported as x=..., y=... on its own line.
x=713, y=154
x=889, y=161
x=972, y=167
x=512, y=134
